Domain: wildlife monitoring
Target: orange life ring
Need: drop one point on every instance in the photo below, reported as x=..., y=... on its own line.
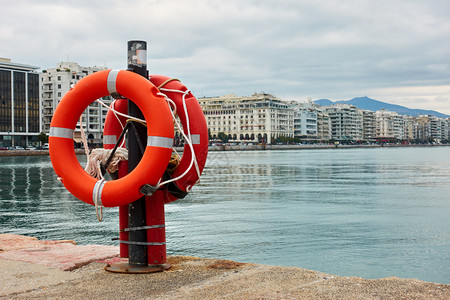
x=199, y=135
x=198, y=128
x=159, y=137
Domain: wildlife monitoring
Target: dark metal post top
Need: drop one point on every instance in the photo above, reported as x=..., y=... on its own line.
x=137, y=57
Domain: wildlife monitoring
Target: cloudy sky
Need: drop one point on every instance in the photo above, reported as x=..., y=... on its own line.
x=397, y=51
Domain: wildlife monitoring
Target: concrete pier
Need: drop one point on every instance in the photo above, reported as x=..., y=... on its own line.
x=34, y=269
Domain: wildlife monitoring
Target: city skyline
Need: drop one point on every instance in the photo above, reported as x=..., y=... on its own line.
x=396, y=52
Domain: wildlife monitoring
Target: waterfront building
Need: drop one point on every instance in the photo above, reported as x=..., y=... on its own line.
x=369, y=125
x=323, y=125
x=305, y=120
x=408, y=128
x=428, y=127
x=346, y=122
x=19, y=104
x=445, y=129
x=389, y=124
x=448, y=129
x=305, y=123
x=55, y=82
x=258, y=118
x=438, y=128
x=422, y=128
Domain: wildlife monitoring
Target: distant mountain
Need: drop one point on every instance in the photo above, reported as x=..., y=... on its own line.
x=374, y=105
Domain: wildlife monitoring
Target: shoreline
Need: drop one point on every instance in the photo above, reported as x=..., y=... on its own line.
x=55, y=269
x=313, y=147
x=245, y=148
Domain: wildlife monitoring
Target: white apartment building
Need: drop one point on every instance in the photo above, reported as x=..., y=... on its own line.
x=408, y=130
x=438, y=128
x=346, y=122
x=369, y=125
x=390, y=124
x=305, y=123
x=55, y=82
x=448, y=126
x=258, y=118
x=311, y=122
x=323, y=125
x=422, y=128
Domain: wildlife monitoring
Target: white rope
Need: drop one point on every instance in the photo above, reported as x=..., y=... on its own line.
x=187, y=137
x=83, y=139
x=119, y=113
x=99, y=156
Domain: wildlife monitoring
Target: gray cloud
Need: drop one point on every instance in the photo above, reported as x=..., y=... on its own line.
x=294, y=49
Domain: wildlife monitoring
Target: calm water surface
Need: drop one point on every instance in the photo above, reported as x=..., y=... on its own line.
x=356, y=212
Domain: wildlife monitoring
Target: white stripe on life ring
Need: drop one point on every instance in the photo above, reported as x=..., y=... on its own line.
x=195, y=139
x=111, y=81
x=109, y=139
x=159, y=141
x=61, y=132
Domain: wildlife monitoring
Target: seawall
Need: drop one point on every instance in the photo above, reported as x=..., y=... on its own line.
x=31, y=152
x=311, y=146
x=243, y=148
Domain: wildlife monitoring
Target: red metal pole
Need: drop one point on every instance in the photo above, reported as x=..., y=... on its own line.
x=156, y=234
x=123, y=215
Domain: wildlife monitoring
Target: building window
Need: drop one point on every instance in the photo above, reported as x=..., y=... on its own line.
x=5, y=101
x=33, y=102
x=19, y=102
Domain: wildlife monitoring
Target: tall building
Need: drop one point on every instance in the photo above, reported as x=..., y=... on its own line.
x=346, y=122
x=305, y=120
x=55, y=82
x=439, y=128
x=422, y=128
x=448, y=127
x=408, y=127
x=323, y=125
x=368, y=125
x=390, y=124
x=258, y=118
x=19, y=104
x=305, y=123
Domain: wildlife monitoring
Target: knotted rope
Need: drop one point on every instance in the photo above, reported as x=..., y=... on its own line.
x=99, y=156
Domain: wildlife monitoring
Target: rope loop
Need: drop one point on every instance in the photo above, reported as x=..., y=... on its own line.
x=187, y=137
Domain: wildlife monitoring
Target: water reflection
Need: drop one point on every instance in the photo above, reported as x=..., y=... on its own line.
x=33, y=202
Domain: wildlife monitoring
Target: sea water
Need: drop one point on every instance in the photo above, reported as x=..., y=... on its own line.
x=369, y=213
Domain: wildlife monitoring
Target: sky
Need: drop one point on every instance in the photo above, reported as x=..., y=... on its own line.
x=396, y=51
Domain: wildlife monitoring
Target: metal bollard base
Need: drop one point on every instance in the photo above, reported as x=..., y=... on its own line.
x=127, y=269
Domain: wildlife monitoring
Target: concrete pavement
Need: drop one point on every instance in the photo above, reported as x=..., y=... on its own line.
x=189, y=278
